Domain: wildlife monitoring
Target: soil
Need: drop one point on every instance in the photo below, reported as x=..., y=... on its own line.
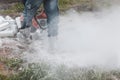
x=9, y=49
x=9, y=1
x=5, y=4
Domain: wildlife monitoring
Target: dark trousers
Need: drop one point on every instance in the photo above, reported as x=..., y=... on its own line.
x=52, y=12
x=24, y=1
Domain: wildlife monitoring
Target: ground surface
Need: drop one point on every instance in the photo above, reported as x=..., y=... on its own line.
x=11, y=51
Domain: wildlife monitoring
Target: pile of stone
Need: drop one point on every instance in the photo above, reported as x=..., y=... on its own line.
x=8, y=27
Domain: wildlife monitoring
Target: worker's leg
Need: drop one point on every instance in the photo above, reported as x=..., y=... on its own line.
x=52, y=11
x=31, y=7
x=33, y=27
x=24, y=1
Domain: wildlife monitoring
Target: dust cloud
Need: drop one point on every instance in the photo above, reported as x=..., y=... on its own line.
x=85, y=39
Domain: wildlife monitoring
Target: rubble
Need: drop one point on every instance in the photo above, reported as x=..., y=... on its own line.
x=8, y=27
x=11, y=47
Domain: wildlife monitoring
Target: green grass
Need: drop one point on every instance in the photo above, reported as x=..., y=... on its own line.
x=46, y=71
x=12, y=63
x=61, y=72
x=83, y=4
x=63, y=5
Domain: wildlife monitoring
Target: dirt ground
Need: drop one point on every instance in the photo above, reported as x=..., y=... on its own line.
x=10, y=49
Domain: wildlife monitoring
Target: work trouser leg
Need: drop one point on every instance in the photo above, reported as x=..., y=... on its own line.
x=52, y=11
x=24, y=1
x=31, y=7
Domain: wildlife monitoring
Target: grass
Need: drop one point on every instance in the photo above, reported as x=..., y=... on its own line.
x=16, y=8
x=31, y=72
x=61, y=72
x=63, y=5
x=46, y=71
x=12, y=63
x=82, y=4
x=9, y=66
